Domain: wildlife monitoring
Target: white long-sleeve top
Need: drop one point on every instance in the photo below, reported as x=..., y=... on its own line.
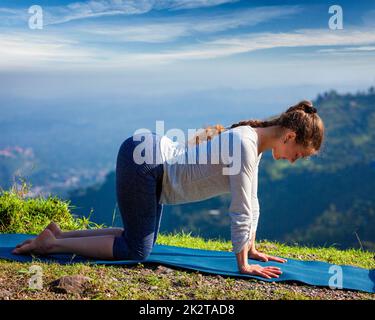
x=186, y=179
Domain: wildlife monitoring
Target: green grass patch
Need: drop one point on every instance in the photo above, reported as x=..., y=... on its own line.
x=22, y=214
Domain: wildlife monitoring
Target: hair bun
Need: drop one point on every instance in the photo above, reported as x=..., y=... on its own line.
x=310, y=109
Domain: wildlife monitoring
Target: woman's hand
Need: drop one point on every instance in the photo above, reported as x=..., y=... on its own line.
x=255, y=269
x=256, y=255
x=265, y=272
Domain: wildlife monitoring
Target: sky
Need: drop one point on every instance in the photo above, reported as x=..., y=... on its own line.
x=165, y=47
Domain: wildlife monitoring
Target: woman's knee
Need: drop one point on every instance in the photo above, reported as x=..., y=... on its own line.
x=141, y=253
x=123, y=250
x=120, y=249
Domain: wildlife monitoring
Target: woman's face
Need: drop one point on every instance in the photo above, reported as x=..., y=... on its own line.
x=290, y=150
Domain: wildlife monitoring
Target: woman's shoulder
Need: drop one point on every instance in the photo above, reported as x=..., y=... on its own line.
x=246, y=134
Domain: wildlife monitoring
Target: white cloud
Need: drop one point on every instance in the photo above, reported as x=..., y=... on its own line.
x=11, y=17
x=8, y=11
x=164, y=30
x=95, y=8
x=21, y=49
x=251, y=42
x=190, y=4
x=98, y=8
x=348, y=50
x=149, y=33
x=26, y=50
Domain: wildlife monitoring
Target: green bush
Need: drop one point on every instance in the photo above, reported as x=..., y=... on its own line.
x=20, y=214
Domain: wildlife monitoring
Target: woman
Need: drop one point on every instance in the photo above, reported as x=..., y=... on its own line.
x=142, y=189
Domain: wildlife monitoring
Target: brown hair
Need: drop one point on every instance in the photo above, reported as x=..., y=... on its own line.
x=301, y=118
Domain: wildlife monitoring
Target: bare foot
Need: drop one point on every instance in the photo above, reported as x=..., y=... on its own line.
x=53, y=227
x=42, y=244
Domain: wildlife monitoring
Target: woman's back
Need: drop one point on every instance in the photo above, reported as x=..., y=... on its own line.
x=194, y=173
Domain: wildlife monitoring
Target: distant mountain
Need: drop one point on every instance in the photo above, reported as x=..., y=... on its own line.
x=327, y=200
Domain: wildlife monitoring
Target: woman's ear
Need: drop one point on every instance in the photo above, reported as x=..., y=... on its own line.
x=286, y=138
x=289, y=135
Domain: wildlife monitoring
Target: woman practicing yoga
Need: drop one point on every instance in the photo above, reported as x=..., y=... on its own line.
x=143, y=188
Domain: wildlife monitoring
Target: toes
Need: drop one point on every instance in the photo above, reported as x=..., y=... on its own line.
x=54, y=228
x=15, y=251
x=52, y=225
x=23, y=243
x=23, y=249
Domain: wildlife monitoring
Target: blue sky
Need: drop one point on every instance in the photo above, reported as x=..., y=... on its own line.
x=181, y=45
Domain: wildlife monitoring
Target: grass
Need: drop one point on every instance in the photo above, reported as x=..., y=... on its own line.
x=354, y=257
x=21, y=215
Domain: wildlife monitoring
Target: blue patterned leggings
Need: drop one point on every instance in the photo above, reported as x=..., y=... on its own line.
x=138, y=189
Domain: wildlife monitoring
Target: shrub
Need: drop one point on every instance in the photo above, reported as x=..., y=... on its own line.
x=20, y=214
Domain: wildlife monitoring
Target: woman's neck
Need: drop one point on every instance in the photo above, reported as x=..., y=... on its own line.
x=267, y=137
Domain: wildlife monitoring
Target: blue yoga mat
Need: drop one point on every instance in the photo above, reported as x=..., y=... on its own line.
x=218, y=262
